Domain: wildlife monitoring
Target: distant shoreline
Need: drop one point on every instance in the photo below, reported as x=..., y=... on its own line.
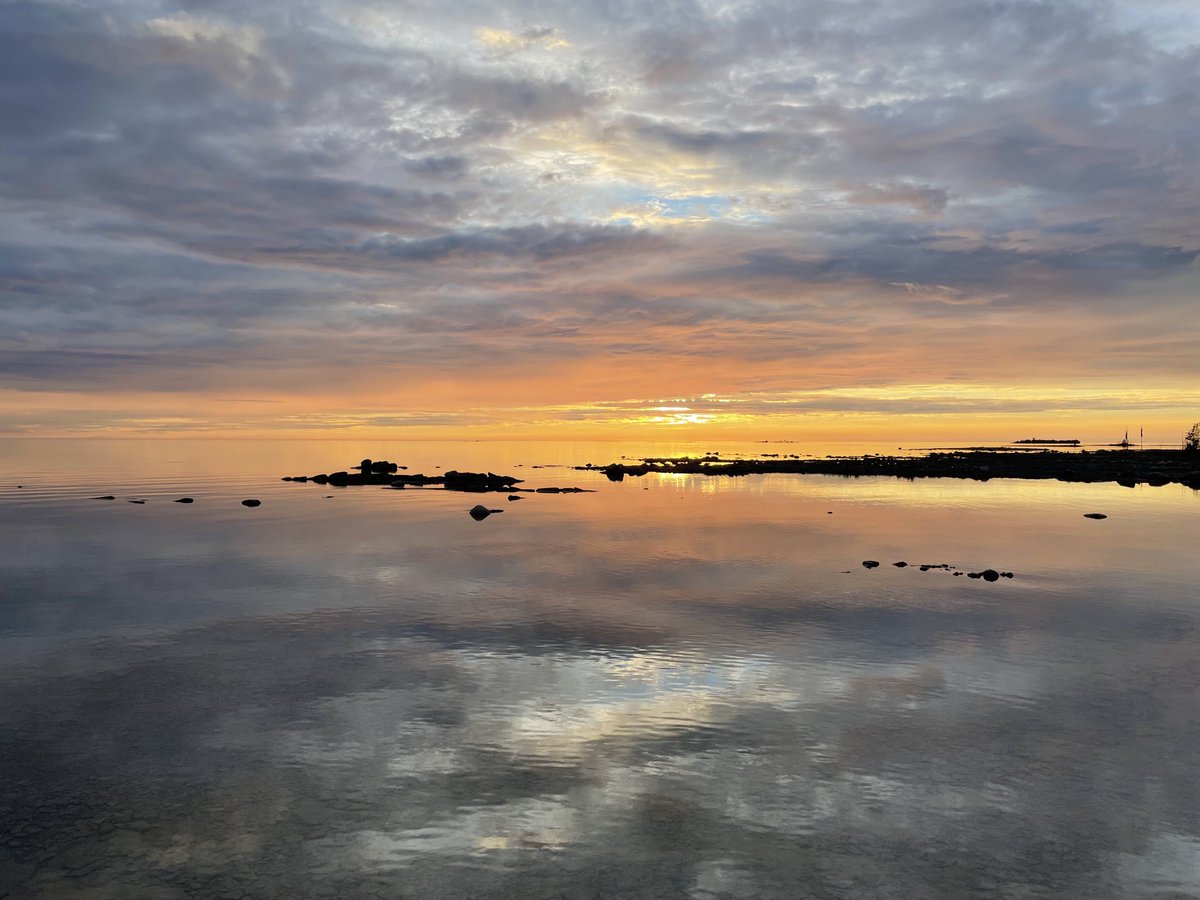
x=1125, y=467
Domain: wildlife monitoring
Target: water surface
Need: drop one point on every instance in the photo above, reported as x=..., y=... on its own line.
x=672, y=687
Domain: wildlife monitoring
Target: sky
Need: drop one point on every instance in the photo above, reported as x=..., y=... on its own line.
x=600, y=218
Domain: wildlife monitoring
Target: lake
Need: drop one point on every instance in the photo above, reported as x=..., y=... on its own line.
x=678, y=686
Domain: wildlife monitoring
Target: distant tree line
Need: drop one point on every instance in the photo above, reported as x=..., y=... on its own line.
x=1191, y=440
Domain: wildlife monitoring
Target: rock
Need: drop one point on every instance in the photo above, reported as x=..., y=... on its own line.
x=479, y=512
x=870, y=563
x=1095, y=516
x=251, y=502
x=105, y=497
x=185, y=500
x=900, y=565
x=989, y=575
x=137, y=501
x=515, y=497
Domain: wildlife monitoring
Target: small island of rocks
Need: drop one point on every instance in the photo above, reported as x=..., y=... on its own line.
x=387, y=474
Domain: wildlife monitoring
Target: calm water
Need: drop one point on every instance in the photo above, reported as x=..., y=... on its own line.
x=672, y=687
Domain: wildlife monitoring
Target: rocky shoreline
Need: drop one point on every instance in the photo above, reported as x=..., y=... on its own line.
x=1125, y=467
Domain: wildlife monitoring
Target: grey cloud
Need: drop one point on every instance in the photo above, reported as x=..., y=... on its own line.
x=203, y=175
x=536, y=242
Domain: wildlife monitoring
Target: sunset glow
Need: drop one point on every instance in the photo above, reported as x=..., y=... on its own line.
x=857, y=220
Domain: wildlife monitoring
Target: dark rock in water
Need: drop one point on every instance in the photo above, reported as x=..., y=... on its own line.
x=1095, y=516
x=515, y=497
x=900, y=565
x=105, y=497
x=1006, y=574
x=987, y=575
x=399, y=485
x=364, y=466
x=1126, y=479
x=870, y=563
x=251, y=502
x=479, y=512
x=137, y=501
x=478, y=481
x=185, y=500
x=958, y=573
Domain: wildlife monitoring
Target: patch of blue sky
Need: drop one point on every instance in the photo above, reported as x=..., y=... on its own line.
x=696, y=206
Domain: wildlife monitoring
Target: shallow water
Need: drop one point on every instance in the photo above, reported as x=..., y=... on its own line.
x=672, y=687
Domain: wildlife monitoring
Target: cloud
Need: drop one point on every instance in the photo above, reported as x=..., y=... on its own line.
x=597, y=181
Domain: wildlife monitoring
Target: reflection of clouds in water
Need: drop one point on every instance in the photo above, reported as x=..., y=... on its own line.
x=1169, y=863
x=606, y=698
x=528, y=824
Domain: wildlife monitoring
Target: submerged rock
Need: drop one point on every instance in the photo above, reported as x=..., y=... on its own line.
x=185, y=500
x=251, y=502
x=1095, y=516
x=105, y=497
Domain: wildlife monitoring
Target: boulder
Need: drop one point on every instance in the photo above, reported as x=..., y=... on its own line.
x=870, y=563
x=251, y=502
x=479, y=512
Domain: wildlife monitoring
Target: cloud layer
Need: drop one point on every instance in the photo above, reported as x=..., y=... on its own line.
x=537, y=210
